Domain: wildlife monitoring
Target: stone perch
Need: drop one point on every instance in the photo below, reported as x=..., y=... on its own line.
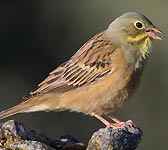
x=16, y=136
x=126, y=138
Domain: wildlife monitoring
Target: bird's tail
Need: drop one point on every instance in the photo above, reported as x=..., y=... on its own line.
x=31, y=105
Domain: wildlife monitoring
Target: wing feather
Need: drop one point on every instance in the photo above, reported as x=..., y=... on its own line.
x=93, y=61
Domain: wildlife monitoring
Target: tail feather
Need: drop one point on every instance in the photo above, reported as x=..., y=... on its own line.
x=31, y=105
x=20, y=108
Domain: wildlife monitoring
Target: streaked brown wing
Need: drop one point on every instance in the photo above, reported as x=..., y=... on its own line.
x=93, y=61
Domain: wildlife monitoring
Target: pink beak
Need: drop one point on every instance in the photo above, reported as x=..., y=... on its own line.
x=151, y=32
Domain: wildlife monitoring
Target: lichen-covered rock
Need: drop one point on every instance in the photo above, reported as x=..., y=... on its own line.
x=125, y=138
x=16, y=136
x=30, y=145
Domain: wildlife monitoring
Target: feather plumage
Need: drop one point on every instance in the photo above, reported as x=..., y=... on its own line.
x=89, y=64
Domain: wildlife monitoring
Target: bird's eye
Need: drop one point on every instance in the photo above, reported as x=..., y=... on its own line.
x=138, y=25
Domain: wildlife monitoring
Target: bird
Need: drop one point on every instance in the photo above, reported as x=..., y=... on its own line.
x=103, y=74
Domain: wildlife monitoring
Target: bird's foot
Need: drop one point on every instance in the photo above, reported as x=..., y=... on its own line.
x=120, y=125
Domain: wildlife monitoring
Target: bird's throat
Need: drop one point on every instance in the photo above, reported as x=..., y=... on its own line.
x=137, y=53
x=144, y=48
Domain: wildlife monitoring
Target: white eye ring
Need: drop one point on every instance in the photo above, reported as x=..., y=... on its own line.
x=139, y=25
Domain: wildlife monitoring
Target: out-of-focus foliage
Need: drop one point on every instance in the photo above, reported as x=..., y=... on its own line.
x=37, y=36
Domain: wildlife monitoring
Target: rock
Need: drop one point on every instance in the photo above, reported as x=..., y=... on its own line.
x=125, y=138
x=14, y=135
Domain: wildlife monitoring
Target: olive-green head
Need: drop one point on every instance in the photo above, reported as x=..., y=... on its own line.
x=132, y=27
x=133, y=32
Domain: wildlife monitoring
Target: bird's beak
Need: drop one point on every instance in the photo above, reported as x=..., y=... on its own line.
x=151, y=32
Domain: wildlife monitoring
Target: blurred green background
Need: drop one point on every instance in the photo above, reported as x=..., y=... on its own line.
x=38, y=35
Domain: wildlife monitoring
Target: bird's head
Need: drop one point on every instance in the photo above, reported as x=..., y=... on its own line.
x=133, y=27
x=135, y=31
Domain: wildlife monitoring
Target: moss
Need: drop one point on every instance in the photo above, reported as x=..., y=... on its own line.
x=94, y=144
x=10, y=141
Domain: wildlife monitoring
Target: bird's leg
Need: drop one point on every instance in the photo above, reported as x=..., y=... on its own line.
x=101, y=119
x=107, y=123
x=116, y=125
x=116, y=120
